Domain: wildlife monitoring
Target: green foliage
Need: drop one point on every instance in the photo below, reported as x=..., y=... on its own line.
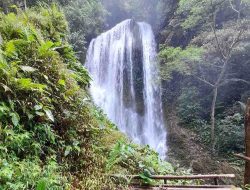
x=229, y=129
x=217, y=31
x=126, y=158
x=136, y=159
x=189, y=109
x=47, y=127
x=86, y=20
x=29, y=174
x=197, y=12
x=231, y=134
x=51, y=135
x=179, y=60
x=201, y=13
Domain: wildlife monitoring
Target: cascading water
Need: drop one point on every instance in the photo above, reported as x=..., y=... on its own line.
x=122, y=63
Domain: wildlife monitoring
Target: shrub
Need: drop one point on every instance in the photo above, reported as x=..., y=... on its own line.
x=230, y=132
x=189, y=108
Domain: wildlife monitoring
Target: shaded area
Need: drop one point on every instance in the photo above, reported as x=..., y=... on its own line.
x=186, y=150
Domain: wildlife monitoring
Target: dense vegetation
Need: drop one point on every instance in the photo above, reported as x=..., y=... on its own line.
x=42, y=94
x=51, y=134
x=204, y=48
x=205, y=56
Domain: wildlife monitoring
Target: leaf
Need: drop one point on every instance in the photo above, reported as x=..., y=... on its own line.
x=39, y=113
x=28, y=68
x=15, y=118
x=14, y=7
x=6, y=88
x=10, y=49
x=3, y=149
x=146, y=173
x=41, y=185
x=4, y=109
x=45, y=47
x=146, y=179
x=46, y=77
x=67, y=151
x=49, y=114
x=38, y=107
x=27, y=84
x=61, y=82
x=30, y=116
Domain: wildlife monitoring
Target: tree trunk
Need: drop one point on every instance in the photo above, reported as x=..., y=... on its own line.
x=247, y=143
x=215, y=93
x=25, y=4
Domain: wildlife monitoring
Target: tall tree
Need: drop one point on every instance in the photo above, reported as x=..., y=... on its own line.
x=86, y=20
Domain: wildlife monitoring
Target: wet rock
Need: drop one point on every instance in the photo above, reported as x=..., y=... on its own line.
x=138, y=70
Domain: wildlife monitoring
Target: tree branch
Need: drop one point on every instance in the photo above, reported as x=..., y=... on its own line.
x=235, y=41
x=204, y=80
x=242, y=157
x=234, y=80
x=216, y=39
x=234, y=9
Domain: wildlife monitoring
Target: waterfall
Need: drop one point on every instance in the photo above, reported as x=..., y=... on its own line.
x=122, y=63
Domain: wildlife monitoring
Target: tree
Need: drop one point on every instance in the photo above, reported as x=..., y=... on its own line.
x=210, y=56
x=6, y=4
x=86, y=20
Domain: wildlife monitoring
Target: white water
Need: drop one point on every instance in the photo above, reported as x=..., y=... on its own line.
x=122, y=64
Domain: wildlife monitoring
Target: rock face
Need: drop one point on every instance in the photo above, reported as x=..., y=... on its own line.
x=122, y=63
